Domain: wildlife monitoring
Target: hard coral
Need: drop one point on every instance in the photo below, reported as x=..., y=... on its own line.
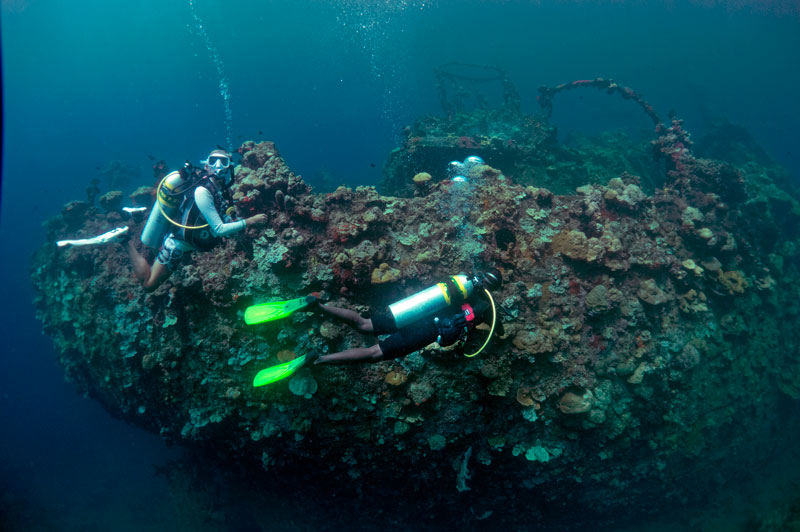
x=524, y=396
x=111, y=201
x=628, y=196
x=396, y=377
x=734, y=281
x=385, y=274
x=574, y=245
x=421, y=178
x=651, y=293
x=576, y=403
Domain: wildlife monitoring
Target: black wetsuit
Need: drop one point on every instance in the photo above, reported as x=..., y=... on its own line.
x=452, y=325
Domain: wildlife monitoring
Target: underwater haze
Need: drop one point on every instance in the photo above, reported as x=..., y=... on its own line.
x=102, y=90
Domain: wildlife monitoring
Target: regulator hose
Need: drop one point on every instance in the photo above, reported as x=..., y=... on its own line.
x=491, y=331
x=173, y=222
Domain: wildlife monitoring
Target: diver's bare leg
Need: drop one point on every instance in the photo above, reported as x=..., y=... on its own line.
x=140, y=266
x=348, y=316
x=357, y=354
x=158, y=274
x=150, y=276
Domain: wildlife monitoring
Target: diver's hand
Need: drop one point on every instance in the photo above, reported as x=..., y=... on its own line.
x=451, y=329
x=257, y=219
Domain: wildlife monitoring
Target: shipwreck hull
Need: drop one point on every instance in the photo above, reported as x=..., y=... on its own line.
x=647, y=347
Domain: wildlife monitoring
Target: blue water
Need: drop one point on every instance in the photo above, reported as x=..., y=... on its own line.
x=332, y=83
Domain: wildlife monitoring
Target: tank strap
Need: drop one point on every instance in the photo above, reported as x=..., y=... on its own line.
x=457, y=293
x=460, y=286
x=186, y=217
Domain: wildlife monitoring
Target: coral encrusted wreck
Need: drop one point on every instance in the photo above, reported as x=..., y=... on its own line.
x=646, y=337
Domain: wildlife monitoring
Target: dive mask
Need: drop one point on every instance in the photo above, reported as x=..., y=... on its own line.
x=218, y=163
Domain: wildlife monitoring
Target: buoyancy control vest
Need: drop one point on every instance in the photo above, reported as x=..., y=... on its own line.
x=203, y=238
x=174, y=201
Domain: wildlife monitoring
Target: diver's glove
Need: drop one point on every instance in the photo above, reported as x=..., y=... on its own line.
x=451, y=329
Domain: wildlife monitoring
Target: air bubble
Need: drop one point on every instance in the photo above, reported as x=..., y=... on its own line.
x=223, y=81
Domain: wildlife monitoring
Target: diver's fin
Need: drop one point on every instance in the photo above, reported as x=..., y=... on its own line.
x=136, y=213
x=110, y=236
x=278, y=372
x=275, y=310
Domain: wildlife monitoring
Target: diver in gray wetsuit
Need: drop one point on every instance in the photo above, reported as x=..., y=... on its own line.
x=186, y=216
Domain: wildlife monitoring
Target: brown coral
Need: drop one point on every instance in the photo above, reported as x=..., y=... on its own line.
x=533, y=342
x=734, y=281
x=649, y=292
x=576, y=403
x=597, y=298
x=421, y=178
x=396, y=377
x=524, y=396
x=573, y=244
x=692, y=301
x=384, y=274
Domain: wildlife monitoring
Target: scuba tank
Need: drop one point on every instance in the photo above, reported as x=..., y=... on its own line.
x=452, y=292
x=169, y=200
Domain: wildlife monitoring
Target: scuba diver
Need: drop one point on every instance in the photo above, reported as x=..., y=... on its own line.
x=408, y=326
x=444, y=313
x=186, y=216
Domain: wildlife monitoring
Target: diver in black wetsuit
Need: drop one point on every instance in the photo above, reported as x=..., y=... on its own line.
x=447, y=326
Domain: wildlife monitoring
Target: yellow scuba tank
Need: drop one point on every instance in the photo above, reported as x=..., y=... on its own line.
x=167, y=202
x=167, y=196
x=452, y=292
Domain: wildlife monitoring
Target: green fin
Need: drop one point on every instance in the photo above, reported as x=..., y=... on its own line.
x=278, y=372
x=274, y=311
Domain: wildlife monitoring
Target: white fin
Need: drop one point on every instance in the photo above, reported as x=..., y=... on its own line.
x=110, y=236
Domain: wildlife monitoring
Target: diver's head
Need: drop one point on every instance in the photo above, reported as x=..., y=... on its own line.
x=217, y=162
x=491, y=279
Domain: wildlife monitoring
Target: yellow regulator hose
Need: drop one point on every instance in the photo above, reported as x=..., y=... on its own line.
x=164, y=214
x=491, y=331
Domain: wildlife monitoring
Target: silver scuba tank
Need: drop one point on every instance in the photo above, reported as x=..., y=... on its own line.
x=157, y=225
x=431, y=300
